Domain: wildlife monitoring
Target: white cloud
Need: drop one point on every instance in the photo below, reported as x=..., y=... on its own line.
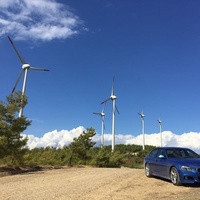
x=190, y=140
x=54, y=138
x=38, y=19
x=65, y=137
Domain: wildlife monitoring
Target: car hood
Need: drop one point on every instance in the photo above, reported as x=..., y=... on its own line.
x=192, y=162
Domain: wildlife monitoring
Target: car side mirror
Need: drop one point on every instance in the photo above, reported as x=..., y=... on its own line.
x=161, y=156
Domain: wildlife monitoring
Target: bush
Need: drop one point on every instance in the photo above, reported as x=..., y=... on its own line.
x=101, y=159
x=105, y=158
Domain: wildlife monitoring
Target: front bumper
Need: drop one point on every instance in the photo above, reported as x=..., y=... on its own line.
x=190, y=177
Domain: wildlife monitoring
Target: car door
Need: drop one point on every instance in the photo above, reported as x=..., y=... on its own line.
x=152, y=160
x=161, y=165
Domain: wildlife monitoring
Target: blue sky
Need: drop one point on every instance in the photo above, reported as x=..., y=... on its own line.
x=151, y=47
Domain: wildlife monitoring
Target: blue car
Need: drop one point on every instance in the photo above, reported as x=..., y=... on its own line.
x=180, y=165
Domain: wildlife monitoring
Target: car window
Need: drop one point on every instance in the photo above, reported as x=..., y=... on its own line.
x=181, y=153
x=176, y=153
x=170, y=153
x=161, y=152
x=190, y=154
x=154, y=153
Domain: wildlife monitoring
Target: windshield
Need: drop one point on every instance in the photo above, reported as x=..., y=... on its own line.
x=181, y=153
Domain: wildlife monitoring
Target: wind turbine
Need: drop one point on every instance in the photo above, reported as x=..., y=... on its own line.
x=142, y=118
x=160, y=125
x=25, y=68
x=102, y=114
x=113, y=99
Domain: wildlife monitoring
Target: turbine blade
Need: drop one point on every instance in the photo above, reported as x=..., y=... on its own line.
x=142, y=110
x=96, y=113
x=104, y=127
x=116, y=109
x=104, y=107
x=18, y=80
x=40, y=69
x=105, y=101
x=112, y=90
x=20, y=57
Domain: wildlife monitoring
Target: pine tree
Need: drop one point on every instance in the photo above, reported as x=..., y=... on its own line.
x=81, y=146
x=12, y=144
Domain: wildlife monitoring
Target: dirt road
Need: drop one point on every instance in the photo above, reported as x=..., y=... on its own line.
x=91, y=184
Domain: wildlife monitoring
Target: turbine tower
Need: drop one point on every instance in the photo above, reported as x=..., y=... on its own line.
x=160, y=125
x=102, y=114
x=114, y=108
x=142, y=118
x=25, y=68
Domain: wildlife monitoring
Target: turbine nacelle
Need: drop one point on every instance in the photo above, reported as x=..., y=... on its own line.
x=159, y=121
x=102, y=114
x=113, y=97
x=26, y=66
x=141, y=115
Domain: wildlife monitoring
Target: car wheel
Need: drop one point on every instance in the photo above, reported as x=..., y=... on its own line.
x=147, y=170
x=174, y=176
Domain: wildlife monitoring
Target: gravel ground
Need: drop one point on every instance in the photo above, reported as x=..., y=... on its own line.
x=91, y=184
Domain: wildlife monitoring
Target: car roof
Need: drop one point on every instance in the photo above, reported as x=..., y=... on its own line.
x=171, y=148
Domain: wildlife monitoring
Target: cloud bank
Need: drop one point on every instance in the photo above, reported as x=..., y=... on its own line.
x=37, y=19
x=62, y=138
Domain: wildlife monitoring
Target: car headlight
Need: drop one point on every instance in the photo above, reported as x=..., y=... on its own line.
x=186, y=168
